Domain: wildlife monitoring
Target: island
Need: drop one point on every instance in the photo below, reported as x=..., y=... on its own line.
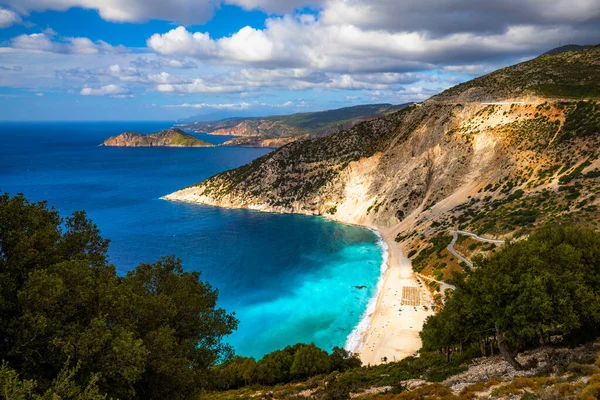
x=172, y=137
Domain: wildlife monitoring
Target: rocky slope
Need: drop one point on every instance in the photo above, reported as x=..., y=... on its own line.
x=280, y=130
x=494, y=169
x=168, y=138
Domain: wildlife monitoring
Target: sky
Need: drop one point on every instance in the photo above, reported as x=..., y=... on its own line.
x=165, y=60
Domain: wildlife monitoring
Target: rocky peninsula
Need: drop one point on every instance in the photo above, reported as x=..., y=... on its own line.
x=172, y=137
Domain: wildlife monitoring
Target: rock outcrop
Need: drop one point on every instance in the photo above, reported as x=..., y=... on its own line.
x=168, y=138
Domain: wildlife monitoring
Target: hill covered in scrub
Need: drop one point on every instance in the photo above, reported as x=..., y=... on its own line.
x=277, y=131
x=173, y=137
x=557, y=74
x=498, y=170
x=513, y=155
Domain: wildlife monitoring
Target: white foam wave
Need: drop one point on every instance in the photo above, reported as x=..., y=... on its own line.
x=353, y=342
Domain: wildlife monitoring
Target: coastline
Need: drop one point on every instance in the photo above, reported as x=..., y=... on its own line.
x=390, y=325
x=399, y=314
x=354, y=340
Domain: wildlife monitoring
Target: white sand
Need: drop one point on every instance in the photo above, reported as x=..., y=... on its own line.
x=394, y=329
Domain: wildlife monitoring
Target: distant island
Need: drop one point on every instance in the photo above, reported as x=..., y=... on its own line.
x=172, y=137
x=277, y=131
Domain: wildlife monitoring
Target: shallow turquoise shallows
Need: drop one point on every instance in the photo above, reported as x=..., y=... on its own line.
x=288, y=278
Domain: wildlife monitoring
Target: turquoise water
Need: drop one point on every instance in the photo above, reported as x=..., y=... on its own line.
x=288, y=278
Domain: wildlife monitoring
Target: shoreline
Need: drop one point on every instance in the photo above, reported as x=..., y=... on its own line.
x=354, y=340
x=399, y=314
x=392, y=328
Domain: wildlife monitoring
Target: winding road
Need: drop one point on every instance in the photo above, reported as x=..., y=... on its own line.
x=474, y=236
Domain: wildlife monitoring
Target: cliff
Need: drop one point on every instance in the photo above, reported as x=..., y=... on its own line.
x=494, y=169
x=168, y=138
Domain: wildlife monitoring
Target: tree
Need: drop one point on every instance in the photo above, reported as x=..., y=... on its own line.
x=275, y=367
x=545, y=283
x=309, y=360
x=66, y=318
x=235, y=373
x=341, y=360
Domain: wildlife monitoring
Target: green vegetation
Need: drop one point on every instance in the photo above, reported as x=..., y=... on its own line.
x=568, y=75
x=312, y=123
x=173, y=137
x=318, y=161
x=432, y=366
x=294, y=363
x=436, y=246
x=582, y=119
x=547, y=284
x=71, y=328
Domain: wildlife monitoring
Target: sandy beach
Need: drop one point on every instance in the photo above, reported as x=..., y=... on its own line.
x=399, y=313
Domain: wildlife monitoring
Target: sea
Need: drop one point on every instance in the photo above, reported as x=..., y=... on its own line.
x=287, y=278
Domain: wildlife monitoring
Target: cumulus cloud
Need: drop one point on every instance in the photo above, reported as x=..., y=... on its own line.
x=161, y=63
x=45, y=42
x=237, y=106
x=199, y=85
x=291, y=43
x=388, y=50
x=442, y=17
x=391, y=36
x=9, y=18
x=222, y=106
x=35, y=41
x=108, y=90
x=182, y=11
x=185, y=11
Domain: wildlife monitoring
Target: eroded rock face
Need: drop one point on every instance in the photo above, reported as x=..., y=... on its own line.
x=430, y=166
x=168, y=138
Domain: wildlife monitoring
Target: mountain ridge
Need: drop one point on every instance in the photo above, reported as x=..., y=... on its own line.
x=276, y=131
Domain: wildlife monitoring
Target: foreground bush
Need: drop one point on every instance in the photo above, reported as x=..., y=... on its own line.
x=69, y=323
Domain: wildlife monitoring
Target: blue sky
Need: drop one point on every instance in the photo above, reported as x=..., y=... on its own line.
x=158, y=60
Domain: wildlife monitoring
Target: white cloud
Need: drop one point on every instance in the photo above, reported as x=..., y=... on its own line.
x=108, y=90
x=350, y=36
x=381, y=49
x=289, y=43
x=199, y=86
x=166, y=78
x=79, y=45
x=180, y=41
x=237, y=106
x=443, y=17
x=145, y=62
x=9, y=18
x=35, y=41
x=185, y=11
x=182, y=11
x=226, y=106
x=275, y=6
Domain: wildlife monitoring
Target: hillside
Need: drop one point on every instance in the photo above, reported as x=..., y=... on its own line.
x=168, y=138
x=277, y=131
x=567, y=75
x=498, y=170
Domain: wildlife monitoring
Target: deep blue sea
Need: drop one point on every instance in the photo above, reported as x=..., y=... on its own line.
x=288, y=278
